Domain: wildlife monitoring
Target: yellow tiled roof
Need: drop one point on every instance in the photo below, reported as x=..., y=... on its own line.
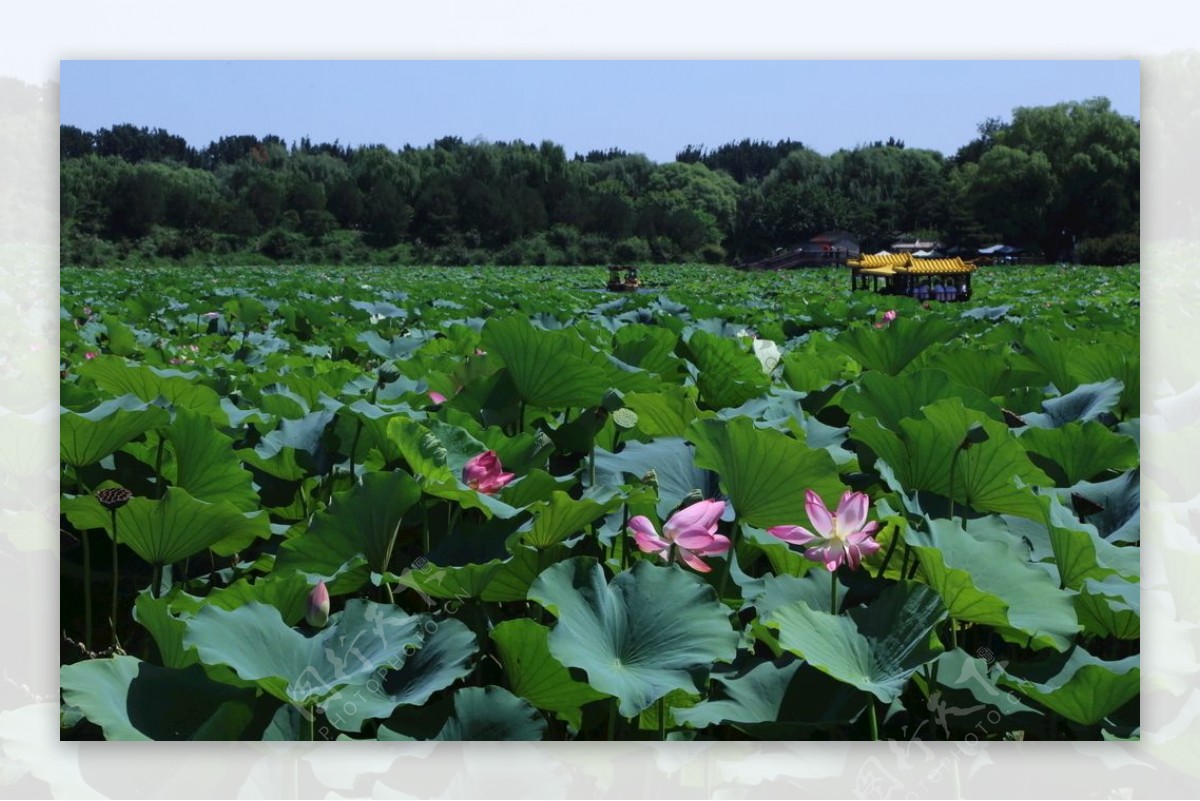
x=871, y=260
x=937, y=266
x=894, y=263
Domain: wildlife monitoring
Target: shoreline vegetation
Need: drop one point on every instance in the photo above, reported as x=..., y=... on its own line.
x=1062, y=180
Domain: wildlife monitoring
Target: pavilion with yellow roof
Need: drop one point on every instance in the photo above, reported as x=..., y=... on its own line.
x=902, y=274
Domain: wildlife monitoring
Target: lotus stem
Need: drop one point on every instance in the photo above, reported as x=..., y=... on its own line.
x=662, y=718
x=424, y=530
x=312, y=722
x=887, y=557
x=115, y=575
x=833, y=604
x=87, y=591
x=953, y=633
x=872, y=719
x=733, y=532
x=953, y=462
x=623, y=539
x=592, y=463
x=354, y=447
x=387, y=561
x=159, y=490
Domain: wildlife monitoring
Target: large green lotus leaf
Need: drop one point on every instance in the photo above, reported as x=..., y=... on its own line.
x=982, y=578
x=665, y=413
x=670, y=458
x=891, y=349
x=617, y=374
x=988, y=370
x=1085, y=402
x=958, y=671
x=1119, y=359
x=652, y=630
x=1120, y=500
x=649, y=347
x=258, y=646
x=490, y=714
x=287, y=592
x=1080, y=687
x=457, y=582
x=519, y=453
x=149, y=383
x=562, y=516
x=814, y=368
x=535, y=675
x=771, y=592
x=1079, y=451
x=512, y=580
x=87, y=437
x=374, y=420
x=1051, y=357
x=304, y=434
x=876, y=649
x=1110, y=608
x=362, y=521
x=443, y=658
x=785, y=699
x=206, y=465
x=1080, y=553
x=728, y=374
x=174, y=527
x=890, y=399
x=543, y=365
x=783, y=559
x=154, y=614
x=134, y=700
x=764, y=472
x=536, y=485
x=437, y=458
x=990, y=476
x=755, y=695
x=121, y=339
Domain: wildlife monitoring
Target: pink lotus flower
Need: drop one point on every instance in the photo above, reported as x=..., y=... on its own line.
x=318, y=606
x=843, y=536
x=689, y=534
x=888, y=317
x=436, y=396
x=484, y=473
x=91, y=354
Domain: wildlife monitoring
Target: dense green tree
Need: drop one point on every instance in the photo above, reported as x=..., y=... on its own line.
x=1052, y=177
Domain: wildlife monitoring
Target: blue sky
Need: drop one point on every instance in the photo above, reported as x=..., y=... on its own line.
x=651, y=107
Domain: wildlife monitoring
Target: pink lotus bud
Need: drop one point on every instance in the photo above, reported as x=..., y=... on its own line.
x=484, y=473
x=318, y=606
x=889, y=315
x=436, y=396
x=91, y=354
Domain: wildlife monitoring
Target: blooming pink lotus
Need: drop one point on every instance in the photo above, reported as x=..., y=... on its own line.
x=318, y=606
x=689, y=534
x=843, y=536
x=484, y=473
x=91, y=354
x=888, y=317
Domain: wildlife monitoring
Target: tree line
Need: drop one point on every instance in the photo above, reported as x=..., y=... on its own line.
x=1055, y=178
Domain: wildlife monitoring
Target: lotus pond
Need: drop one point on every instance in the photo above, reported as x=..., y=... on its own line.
x=484, y=503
